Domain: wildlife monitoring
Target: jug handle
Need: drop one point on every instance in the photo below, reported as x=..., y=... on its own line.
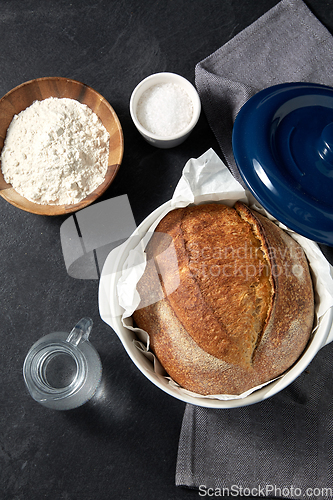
x=80, y=332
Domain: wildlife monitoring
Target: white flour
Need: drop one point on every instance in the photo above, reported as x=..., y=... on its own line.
x=56, y=152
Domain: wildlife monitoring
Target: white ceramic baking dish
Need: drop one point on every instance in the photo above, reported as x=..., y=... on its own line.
x=110, y=312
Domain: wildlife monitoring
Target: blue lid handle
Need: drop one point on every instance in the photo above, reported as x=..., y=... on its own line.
x=325, y=144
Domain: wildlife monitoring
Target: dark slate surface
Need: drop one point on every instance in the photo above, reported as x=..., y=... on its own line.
x=122, y=444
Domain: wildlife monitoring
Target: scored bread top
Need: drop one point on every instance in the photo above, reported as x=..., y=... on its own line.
x=225, y=291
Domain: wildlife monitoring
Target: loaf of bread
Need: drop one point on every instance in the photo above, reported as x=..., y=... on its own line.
x=226, y=298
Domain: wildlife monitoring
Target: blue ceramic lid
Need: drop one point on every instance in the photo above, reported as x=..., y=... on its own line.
x=283, y=147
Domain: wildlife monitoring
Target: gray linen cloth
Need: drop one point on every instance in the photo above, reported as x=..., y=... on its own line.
x=282, y=447
x=287, y=44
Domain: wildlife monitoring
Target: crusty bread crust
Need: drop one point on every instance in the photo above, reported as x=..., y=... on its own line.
x=243, y=310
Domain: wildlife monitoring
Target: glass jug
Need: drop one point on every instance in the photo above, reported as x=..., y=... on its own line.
x=62, y=371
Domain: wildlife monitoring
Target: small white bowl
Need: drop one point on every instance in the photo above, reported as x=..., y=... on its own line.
x=159, y=78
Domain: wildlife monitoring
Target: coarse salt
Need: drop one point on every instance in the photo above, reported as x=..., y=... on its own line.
x=56, y=152
x=165, y=109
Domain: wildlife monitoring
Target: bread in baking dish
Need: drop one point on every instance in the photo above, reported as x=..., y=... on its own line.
x=226, y=298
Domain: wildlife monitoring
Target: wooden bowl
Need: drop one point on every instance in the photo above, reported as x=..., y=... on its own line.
x=23, y=96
